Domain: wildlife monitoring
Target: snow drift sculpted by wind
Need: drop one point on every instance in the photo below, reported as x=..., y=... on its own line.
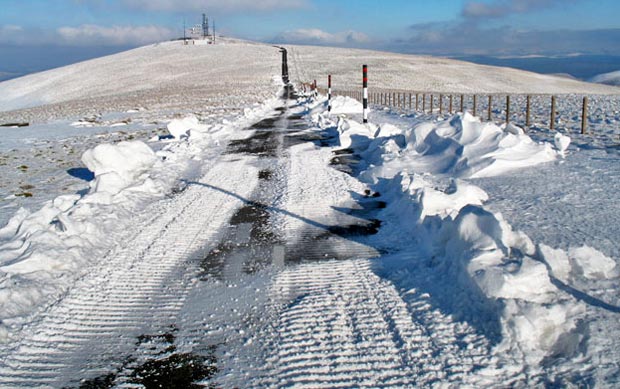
x=459, y=147
x=484, y=264
x=42, y=253
x=117, y=167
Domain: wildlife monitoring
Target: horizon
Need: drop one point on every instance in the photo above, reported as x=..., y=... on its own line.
x=513, y=33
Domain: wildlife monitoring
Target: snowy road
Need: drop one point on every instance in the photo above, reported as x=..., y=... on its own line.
x=238, y=273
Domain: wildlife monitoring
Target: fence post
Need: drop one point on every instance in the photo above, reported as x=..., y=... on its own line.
x=528, y=104
x=329, y=93
x=423, y=102
x=417, y=105
x=507, y=109
x=365, y=86
x=462, y=104
x=431, y=112
x=450, y=104
x=584, y=115
x=410, y=106
x=490, y=109
x=552, y=125
x=440, y=104
x=475, y=103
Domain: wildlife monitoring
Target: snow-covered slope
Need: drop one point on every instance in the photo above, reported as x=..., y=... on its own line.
x=612, y=78
x=172, y=68
x=427, y=74
x=168, y=70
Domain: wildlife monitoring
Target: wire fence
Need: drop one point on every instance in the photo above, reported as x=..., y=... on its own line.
x=578, y=114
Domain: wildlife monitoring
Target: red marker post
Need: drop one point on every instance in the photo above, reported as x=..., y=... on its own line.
x=329, y=93
x=365, y=87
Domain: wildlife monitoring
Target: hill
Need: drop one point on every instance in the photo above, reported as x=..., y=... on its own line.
x=167, y=70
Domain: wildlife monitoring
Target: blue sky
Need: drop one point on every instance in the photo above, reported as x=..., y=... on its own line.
x=446, y=27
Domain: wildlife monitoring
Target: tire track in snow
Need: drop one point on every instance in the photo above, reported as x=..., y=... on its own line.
x=347, y=327
x=138, y=290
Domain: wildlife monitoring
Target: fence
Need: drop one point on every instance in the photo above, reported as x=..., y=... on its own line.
x=531, y=111
x=523, y=109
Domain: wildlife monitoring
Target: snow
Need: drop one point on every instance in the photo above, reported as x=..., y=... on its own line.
x=462, y=146
x=43, y=252
x=449, y=221
x=119, y=166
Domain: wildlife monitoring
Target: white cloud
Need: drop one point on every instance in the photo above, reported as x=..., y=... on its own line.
x=115, y=35
x=215, y=5
x=503, y=8
x=85, y=35
x=314, y=36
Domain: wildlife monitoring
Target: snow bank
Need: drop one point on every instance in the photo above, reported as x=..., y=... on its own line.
x=181, y=128
x=118, y=166
x=483, y=263
x=459, y=147
x=42, y=253
x=478, y=253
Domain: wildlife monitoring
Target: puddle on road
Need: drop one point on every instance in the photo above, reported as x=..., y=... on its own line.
x=249, y=245
x=262, y=144
x=265, y=174
x=163, y=366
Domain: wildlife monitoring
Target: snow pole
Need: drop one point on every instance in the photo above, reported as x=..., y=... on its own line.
x=365, y=87
x=584, y=116
x=329, y=93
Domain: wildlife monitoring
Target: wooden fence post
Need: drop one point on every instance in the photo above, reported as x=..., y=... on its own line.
x=507, y=109
x=423, y=102
x=528, y=104
x=584, y=115
x=417, y=105
x=490, y=108
x=440, y=104
x=475, y=103
x=450, y=104
x=431, y=104
x=410, y=106
x=462, y=104
x=552, y=125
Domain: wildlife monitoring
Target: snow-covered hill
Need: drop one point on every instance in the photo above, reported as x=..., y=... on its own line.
x=612, y=78
x=170, y=68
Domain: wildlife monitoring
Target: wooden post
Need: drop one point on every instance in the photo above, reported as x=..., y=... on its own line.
x=423, y=102
x=475, y=103
x=432, y=103
x=528, y=104
x=490, y=108
x=507, y=109
x=417, y=101
x=552, y=124
x=450, y=104
x=410, y=106
x=462, y=103
x=393, y=99
x=584, y=115
x=440, y=103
